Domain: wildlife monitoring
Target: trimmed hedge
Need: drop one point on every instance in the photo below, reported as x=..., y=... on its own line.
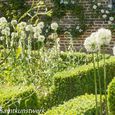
x=68, y=84
x=18, y=98
x=82, y=105
x=111, y=97
x=79, y=58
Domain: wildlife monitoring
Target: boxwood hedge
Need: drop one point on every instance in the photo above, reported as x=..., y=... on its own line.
x=81, y=105
x=111, y=97
x=68, y=84
x=18, y=98
x=79, y=58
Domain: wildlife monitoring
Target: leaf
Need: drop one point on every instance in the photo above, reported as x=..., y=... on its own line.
x=18, y=51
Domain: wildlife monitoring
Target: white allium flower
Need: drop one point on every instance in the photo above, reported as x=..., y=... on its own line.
x=107, y=12
x=104, y=36
x=41, y=38
x=36, y=35
x=111, y=18
x=109, y=22
x=3, y=20
x=29, y=28
x=99, y=4
x=1, y=37
x=109, y=6
x=114, y=50
x=104, y=16
x=14, y=35
x=22, y=25
x=102, y=11
x=6, y=31
x=90, y=43
x=94, y=7
x=77, y=28
x=14, y=22
x=37, y=29
x=54, y=26
x=41, y=25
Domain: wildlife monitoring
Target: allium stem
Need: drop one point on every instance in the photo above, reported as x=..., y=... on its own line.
x=105, y=84
x=99, y=77
x=95, y=82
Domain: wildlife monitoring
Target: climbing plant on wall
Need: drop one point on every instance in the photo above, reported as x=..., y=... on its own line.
x=61, y=7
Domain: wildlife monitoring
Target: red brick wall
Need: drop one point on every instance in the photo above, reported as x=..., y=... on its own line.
x=68, y=20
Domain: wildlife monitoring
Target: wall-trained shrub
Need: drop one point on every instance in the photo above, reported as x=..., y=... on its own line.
x=111, y=97
x=82, y=105
x=18, y=98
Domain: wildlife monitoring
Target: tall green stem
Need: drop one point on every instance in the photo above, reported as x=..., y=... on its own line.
x=95, y=82
x=105, y=84
x=99, y=77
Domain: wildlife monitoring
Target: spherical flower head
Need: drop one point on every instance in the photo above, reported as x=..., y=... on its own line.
x=90, y=43
x=94, y=7
x=6, y=31
x=104, y=16
x=22, y=25
x=107, y=12
x=14, y=22
x=99, y=4
x=36, y=35
x=54, y=26
x=41, y=25
x=41, y=38
x=102, y=11
x=37, y=29
x=111, y=18
x=3, y=20
x=14, y=34
x=104, y=36
x=29, y=28
x=114, y=50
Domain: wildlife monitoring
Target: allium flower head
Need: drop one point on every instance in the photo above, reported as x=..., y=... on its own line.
x=41, y=38
x=14, y=35
x=94, y=7
x=54, y=26
x=37, y=29
x=22, y=25
x=3, y=20
x=102, y=11
x=29, y=28
x=111, y=18
x=90, y=43
x=14, y=22
x=41, y=25
x=104, y=36
x=114, y=50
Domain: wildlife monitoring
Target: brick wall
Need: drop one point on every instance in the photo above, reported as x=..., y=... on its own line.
x=93, y=24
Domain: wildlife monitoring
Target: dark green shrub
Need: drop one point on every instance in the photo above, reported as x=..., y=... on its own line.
x=79, y=58
x=18, y=98
x=82, y=105
x=68, y=84
x=111, y=97
x=13, y=8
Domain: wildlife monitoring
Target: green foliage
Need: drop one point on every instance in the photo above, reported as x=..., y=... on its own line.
x=13, y=8
x=82, y=105
x=76, y=9
x=111, y=97
x=80, y=80
x=18, y=97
